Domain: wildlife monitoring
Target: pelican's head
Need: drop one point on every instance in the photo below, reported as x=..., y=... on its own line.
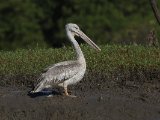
x=75, y=30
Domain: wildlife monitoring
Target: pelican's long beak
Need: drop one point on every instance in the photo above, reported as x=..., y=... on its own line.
x=88, y=40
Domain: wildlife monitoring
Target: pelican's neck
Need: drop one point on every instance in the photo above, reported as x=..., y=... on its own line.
x=80, y=56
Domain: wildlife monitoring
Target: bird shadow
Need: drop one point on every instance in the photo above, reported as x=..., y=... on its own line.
x=44, y=92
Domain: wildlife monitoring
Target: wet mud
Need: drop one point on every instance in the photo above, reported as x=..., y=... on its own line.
x=98, y=98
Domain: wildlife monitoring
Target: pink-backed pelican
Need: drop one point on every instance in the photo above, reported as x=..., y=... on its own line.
x=68, y=72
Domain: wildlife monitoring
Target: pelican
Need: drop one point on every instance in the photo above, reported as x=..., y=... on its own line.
x=68, y=72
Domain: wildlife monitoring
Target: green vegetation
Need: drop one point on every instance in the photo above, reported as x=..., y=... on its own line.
x=39, y=23
x=111, y=58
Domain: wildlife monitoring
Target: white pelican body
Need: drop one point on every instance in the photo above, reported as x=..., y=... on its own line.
x=68, y=72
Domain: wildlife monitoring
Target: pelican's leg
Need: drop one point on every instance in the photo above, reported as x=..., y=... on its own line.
x=66, y=92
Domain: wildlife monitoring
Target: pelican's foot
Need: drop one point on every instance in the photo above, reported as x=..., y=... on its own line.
x=49, y=96
x=69, y=95
x=69, y=91
x=73, y=96
x=66, y=93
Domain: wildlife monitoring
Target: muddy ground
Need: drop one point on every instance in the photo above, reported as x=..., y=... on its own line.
x=98, y=98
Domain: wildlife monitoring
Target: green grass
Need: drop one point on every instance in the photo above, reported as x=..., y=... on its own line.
x=111, y=57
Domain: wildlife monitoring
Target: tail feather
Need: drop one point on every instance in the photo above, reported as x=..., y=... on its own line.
x=40, y=86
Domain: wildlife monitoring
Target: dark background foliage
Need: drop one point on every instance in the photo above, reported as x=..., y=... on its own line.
x=40, y=23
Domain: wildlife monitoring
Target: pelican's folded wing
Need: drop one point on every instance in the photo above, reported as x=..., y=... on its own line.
x=60, y=72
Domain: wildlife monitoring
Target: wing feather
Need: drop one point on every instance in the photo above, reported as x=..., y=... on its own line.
x=60, y=72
